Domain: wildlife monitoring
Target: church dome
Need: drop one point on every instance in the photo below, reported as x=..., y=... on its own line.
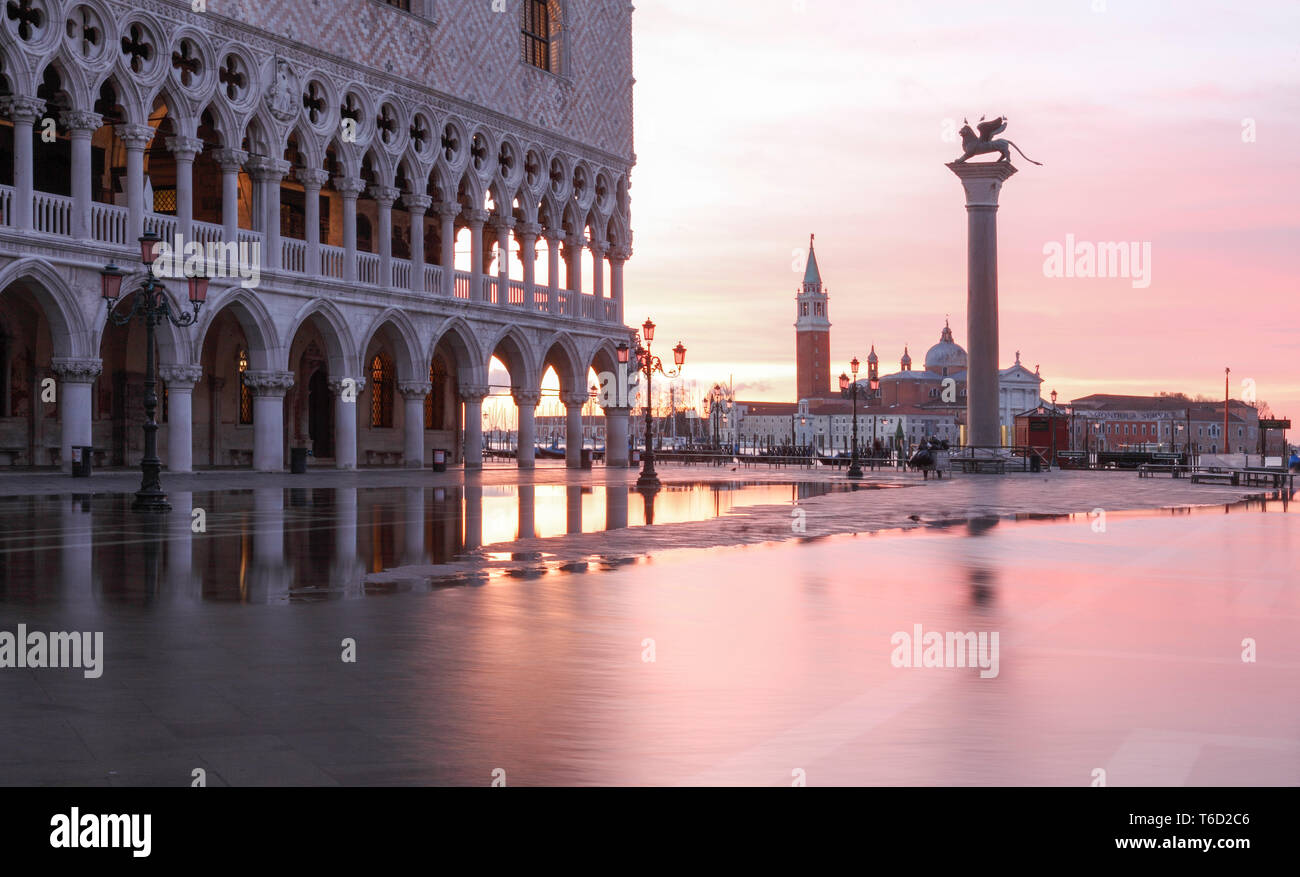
x=946, y=355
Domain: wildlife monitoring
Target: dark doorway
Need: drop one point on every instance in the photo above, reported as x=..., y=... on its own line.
x=320, y=414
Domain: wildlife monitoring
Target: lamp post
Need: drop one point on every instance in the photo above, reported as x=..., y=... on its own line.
x=850, y=386
x=1053, y=423
x=152, y=305
x=648, y=364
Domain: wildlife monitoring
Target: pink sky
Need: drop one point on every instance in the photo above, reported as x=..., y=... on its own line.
x=759, y=122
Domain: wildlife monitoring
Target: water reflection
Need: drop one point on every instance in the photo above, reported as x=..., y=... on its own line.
x=305, y=544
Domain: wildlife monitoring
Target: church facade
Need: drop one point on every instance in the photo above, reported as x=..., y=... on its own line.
x=419, y=187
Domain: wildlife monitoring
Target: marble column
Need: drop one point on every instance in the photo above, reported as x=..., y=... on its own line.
x=553, y=240
x=268, y=388
x=76, y=379
x=183, y=150
x=616, y=506
x=573, y=263
x=135, y=138
x=417, y=205
x=473, y=398
x=346, y=572
x=81, y=127
x=526, y=233
x=573, y=438
x=474, y=220
x=598, y=249
x=23, y=112
x=618, y=256
x=982, y=182
x=349, y=188
x=312, y=180
x=526, y=446
x=384, y=196
x=527, y=511
x=180, y=381
x=269, y=172
x=346, y=391
x=503, y=226
x=616, y=426
x=231, y=162
x=447, y=212
x=413, y=394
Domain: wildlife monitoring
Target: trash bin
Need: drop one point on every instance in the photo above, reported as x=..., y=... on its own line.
x=81, y=460
x=298, y=461
x=439, y=460
x=1035, y=463
x=586, y=458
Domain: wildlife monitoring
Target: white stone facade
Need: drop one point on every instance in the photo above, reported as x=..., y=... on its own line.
x=398, y=171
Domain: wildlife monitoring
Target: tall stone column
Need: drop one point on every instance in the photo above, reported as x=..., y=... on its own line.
x=417, y=205
x=503, y=226
x=414, y=393
x=598, y=249
x=135, y=138
x=23, y=112
x=81, y=127
x=76, y=378
x=573, y=403
x=983, y=183
x=616, y=426
x=268, y=388
x=346, y=571
x=526, y=444
x=527, y=233
x=447, y=213
x=269, y=172
x=346, y=391
x=618, y=256
x=349, y=188
x=180, y=381
x=384, y=197
x=312, y=180
x=553, y=239
x=231, y=162
x=474, y=219
x=183, y=150
x=573, y=262
x=473, y=398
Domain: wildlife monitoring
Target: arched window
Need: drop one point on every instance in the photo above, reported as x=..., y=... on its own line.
x=245, y=394
x=433, y=403
x=381, y=391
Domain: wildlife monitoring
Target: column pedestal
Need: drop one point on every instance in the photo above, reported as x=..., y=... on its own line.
x=76, y=378
x=616, y=426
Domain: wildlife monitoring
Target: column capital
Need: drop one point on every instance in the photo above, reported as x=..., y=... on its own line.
x=134, y=136
x=181, y=376
x=599, y=248
x=417, y=203
x=80, y=120
x=475, y=217
x=982, y=180
x=312, y=177
x=616, y=410
x=230, y=159
x=21, y=108
x=76, y=371
x=447, y=209
x=473, y=393
x=619, y=254
x=527, y=398
x=384, y=195
x=263, y=168
x=528, y=229
x=500, y=222
x=268, y=383
x=184, y=147
x=414, y=389
x=574, y=242
x=574, y=400
x=349, y=187
x=337, y=386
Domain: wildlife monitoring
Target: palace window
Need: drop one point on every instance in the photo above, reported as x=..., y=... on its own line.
x=404, y=5
x=537, y=35
x=381, y=392
x=245, y=394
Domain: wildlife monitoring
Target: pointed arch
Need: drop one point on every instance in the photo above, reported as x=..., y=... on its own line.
x=265, y=349
x=561, y=353
x=457, y=336
x=70, y=335
x=341, y=349
x=396, y=328
x=513, y=348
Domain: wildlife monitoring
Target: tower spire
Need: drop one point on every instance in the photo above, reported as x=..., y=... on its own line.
x=811, y=274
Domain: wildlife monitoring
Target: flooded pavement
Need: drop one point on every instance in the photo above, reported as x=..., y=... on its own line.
x=1157, y=647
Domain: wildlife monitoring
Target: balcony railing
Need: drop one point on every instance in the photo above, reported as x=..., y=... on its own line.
x=110, y=224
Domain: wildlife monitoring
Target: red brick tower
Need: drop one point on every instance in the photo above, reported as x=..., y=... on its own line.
x=812, y=333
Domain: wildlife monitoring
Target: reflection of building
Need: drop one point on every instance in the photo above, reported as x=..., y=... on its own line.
x=409, y=218
x=1105, y=422
x=930, y=402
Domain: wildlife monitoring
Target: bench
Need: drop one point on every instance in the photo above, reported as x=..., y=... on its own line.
x=1215, y=478
x=240, y=459
x=383, y=458
x=1267, y=477
x=978, y=465
x=11, y=456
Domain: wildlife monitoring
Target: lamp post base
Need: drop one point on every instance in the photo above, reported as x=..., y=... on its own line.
x=150, y=501
x=648, y=481
x=855, y=471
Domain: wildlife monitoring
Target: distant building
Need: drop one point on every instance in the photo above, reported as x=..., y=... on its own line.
x=1109, y=422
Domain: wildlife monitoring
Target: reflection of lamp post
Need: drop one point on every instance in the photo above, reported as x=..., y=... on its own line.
x=648, y=364
x=851, y=387
x=152, y=305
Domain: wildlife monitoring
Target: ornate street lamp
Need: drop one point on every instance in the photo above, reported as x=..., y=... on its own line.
x=850, y=387
x=648, y=364
x=152, y=305
x=1052, y=421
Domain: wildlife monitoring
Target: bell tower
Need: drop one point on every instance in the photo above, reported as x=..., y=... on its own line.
x=812, y=333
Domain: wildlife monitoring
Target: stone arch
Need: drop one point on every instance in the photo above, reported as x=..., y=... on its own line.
x=457, y=336
x=333, y=326
x=514, y=349
x=264, y=348
x=561, y=353
x=397, y=330
x=174, y=344
x=69, y=334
